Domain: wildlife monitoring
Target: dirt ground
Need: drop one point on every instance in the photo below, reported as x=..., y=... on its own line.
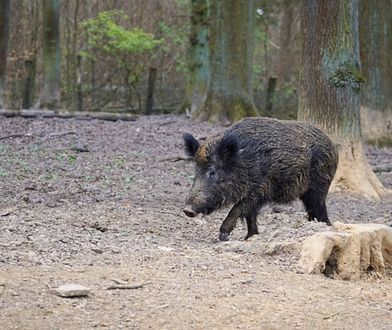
x=98, y=202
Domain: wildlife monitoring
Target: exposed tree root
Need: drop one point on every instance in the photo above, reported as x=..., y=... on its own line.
x=354, y=174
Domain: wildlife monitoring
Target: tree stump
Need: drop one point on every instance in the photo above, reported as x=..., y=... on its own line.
x=351, y=252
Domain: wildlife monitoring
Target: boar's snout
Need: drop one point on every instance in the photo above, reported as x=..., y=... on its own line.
x=189, y=211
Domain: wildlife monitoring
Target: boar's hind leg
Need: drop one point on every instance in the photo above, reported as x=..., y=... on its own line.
x=229, y=223
x=314, y=203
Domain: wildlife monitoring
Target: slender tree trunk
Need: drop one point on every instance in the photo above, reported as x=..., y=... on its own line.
x=375, y=31
x=270, y=93
x=4, y=37
x=50, y=93
x=330, y=87
x=199, y=61
x=230, y=94
x=150, y=91
x=79, y=90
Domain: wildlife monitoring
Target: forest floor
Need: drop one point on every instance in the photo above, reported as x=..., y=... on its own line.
x=98, y=203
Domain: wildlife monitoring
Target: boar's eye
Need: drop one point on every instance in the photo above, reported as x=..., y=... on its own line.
x=211, y=174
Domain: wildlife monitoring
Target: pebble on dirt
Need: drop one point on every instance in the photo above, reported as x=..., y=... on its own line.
x=71, y=291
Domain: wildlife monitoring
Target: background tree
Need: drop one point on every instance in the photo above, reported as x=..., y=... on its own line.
x=230, y=91
x=376, y=48
x=199, y=61
x=4, y=37
x=330, y=87
x=50, y=93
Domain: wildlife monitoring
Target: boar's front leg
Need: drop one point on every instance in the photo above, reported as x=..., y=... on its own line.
x=229, y=223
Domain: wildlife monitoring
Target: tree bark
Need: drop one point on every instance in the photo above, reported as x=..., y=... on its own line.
x=375, y=28
x=28, y=85
x=50, y=93
x=4, y=38
x=287, y=61
x=199, y=61
x=230, y=95
x=330, y=87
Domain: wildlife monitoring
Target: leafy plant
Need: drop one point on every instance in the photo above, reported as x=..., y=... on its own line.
x=127, y=48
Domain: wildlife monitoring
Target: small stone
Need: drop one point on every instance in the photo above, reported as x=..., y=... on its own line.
x=97, y=250
x=71, y=290
x=166, y=248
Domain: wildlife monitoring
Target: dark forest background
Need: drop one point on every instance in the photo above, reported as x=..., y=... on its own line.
x=101, y=72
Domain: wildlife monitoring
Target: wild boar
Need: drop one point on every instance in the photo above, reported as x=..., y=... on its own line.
x=258, y=161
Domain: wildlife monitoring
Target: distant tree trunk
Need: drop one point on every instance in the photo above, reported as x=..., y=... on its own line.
x=288, y=55
x=4, y=37
x=270, y=93
x=150, y=91
x=79, y=91
x=50, y=93
x=199, y=61
x=330, y=87
x=375, y=31
x=230, y=93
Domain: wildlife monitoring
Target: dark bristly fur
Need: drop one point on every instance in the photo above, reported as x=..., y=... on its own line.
x=258, y=161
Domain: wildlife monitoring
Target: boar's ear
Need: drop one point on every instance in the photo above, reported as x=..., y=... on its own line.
x=191, y=144
x=228, y=149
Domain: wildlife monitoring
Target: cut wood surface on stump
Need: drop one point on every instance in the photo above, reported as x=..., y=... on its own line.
x=351, y=252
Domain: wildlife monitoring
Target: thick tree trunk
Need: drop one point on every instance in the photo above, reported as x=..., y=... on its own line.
x=4, y=37
x=330, y=87
x=375, y=29
x=230, y=95
x=50, y=93
x=199, y=60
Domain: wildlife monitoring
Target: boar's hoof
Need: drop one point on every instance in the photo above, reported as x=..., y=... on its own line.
x=224, y=236
x=189, y=212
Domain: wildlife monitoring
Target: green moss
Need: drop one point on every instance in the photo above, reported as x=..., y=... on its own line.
x=347, y=76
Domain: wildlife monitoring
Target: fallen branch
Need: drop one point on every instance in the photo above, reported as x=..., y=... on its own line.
x=85, y=115
x=380, y=169
x=126, y=286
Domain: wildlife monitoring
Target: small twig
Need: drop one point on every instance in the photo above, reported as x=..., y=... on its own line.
x=9, y=211
x=61, y=134
x=175, y=159
x=115, y=280
x=126, y=286
x=11, y=136
x=167, y=123
x=330, y=316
